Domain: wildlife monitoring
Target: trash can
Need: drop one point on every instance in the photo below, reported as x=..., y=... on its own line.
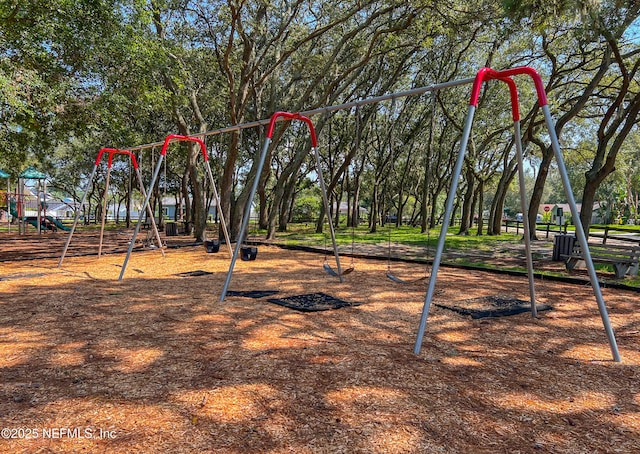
x=171, y=229
x=562, y=245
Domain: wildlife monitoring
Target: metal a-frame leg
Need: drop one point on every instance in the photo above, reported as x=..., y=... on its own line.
x=525, y=209
x=445, y=226
x=223, y=223
x=150, y=212
x=325, y=201
x=75, y=220
x=581, y=236
x=245, y=218
x=104, y=209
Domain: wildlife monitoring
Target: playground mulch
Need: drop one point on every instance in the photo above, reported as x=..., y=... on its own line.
x=156, y=363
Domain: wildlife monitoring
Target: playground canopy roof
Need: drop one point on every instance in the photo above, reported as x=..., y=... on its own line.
x=32, y=174
x=4, y=174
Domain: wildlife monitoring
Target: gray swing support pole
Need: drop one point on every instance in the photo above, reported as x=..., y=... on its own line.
x=582, y=238
x=517, y=138
x=525, y=209
x=245, y=218
x=483, y=75
x=325, y=201
x=144, y=196
x=219, y=206
x=77, y=216
x=148, y=208
x=445, y=226
x=254, y=187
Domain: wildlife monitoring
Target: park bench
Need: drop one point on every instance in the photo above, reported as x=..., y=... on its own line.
x=624, y=259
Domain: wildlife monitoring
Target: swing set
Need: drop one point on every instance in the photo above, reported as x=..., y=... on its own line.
x=111, y=152
x=484, y=75
x=506, y=76
x=287, y=116
x=169, y=139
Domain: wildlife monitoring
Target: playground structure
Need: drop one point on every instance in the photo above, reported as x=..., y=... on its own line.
x=5, y=198
x=484, y=75
x=175, y=138
x=134, y=163
x=26, y=208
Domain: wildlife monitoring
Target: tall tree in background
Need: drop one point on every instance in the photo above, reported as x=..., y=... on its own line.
x=124, y=72
x=590, y=58
x=47, y=59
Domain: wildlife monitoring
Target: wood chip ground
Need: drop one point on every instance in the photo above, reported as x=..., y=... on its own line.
x=156, y=363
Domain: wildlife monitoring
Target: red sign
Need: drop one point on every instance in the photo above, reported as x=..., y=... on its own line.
x=546, y=209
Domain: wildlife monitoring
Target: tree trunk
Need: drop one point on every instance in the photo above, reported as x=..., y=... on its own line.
x=480, y=192
x=497, y=206
x=285, y=205
x=226, y=186
x=467, y=203
x=187, y=202
x=374, y=214
x=538, y=188
x=263, y=212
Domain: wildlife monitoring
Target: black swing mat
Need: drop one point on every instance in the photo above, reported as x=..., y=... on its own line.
x=491, y=306
x=252, y=293
x=194, y=273
x=312, y=302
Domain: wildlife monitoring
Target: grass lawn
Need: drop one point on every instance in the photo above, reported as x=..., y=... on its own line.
x=305, y=234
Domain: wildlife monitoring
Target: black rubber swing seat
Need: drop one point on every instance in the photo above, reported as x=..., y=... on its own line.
x=397, y=280
x=248, y=253
x=212, y=246
x=334, y=273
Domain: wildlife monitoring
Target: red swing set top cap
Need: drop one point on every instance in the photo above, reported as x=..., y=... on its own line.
x=180, y=138
x=111, y=152
x=486, y=74
x=513, y=93
x=292, y=116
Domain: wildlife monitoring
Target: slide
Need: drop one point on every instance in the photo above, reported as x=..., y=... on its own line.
x=48, y=224
x=58, y=224
x=12, y=208
x=34, y=221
